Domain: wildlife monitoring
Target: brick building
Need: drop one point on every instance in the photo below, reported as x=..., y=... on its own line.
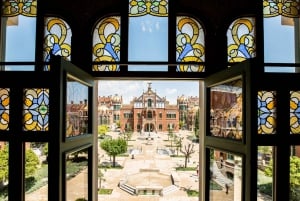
x=148, y=113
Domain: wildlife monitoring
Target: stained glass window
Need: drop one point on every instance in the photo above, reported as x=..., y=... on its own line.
x=241, y=40
x=266, y=104
x=148, y=34
x=189, y=44
x=281, y=33
x=295, y=112
x=36, y=109
x=106, y=44
x=58, y=36
x=4, y=108
x=18, y=22
x=19, y=7
x=287, y=8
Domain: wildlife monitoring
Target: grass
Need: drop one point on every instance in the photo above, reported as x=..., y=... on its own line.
x=186, y=169
x=105, y=191
x=192, y=193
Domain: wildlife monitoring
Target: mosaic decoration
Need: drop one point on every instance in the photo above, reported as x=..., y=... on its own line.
x=57, y=39
x=11, y=8
x=286, y=8
x=266, y=104
x=106, y=44
x=241, y=40
x=295, y=112
x=36, y=109
x=189, y=44
x=4, y=108
x=151, y=7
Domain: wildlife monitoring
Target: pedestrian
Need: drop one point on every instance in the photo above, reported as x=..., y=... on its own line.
x=227, y=188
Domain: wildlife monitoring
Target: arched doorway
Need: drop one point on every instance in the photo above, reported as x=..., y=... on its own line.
x=149, y=127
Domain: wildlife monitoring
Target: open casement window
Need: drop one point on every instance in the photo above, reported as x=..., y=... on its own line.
x=230, y=97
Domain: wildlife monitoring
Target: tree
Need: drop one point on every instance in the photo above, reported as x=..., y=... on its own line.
x=187, y=152
x=113, y=147
x=32, y=163
x=197, y=124
x=4, y=164
x=102, y=130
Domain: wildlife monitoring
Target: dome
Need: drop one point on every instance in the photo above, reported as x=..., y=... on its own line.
x=182, y=99
x=116, y=98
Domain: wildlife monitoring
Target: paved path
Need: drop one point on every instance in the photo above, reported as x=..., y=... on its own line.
x=149, y=159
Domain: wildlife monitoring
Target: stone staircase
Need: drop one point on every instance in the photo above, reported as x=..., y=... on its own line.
x=129, y=189
x=219, y=177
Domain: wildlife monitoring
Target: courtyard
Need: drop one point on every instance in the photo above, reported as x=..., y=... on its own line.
x=151, y=152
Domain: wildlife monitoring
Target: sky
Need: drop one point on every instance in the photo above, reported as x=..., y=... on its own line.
x=130, y=89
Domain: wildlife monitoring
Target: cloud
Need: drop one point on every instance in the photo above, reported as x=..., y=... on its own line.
x=130, y=89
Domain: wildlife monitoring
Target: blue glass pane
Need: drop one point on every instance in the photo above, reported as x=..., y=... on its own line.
x=20, y=39
x=148, y=38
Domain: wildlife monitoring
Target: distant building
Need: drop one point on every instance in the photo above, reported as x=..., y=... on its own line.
x=148, y=113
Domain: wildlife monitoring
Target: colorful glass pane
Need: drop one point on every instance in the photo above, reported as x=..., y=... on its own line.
x=266, y=104
x=189, y=44
x=287, y=8
x=295, y=112
x=12, y=8
x=36, y=109
x=4, y=108
x=144, y=7
x=106, y=44
x=57, y=39
x=241, y=40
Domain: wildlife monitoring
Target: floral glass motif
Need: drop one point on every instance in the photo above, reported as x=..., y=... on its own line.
x=286, y=8
x=106, y=44
x=144, y=7
x=295, y=112
x=241, y=40
x=36, y=109
x=12, y=8
x=57, y=39
x=266, y=104
x=189, y=45
x=4, y=108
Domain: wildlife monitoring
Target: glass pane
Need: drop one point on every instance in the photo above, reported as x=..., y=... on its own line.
x=18, y=22
x=294, y=173
x=19, y=36
x=279, y=39
x=106, y=44
x=266, y=104
x=148, y=38
x=295, y=112
x=77, y=175
x=226, y=106
x=36, y=109
x=57, y=38
x=153, y=68
x=189, y=44
x=4, y=154
x=225, y=176
x=264, y=173
x=4, y=108
x=241, y=40
x=77, y=108
x=36, y=171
